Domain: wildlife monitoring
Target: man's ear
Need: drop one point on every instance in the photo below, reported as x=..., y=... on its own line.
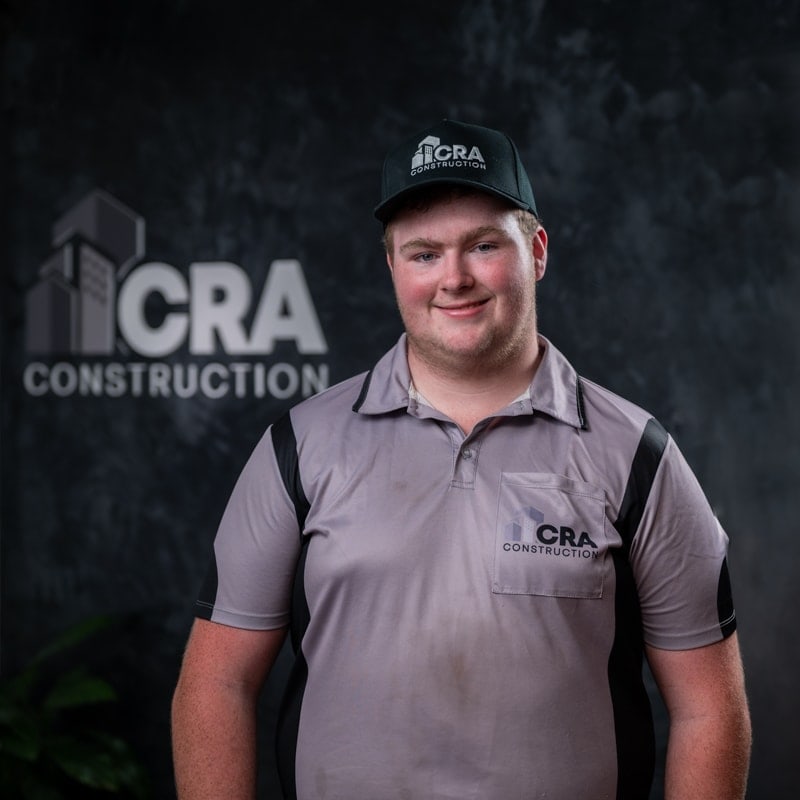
x=389, y=262
x=539, y=243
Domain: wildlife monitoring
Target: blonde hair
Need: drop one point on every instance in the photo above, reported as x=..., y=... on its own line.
x=423, y=199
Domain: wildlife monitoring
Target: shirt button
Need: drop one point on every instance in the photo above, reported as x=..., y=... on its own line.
x=466, y=454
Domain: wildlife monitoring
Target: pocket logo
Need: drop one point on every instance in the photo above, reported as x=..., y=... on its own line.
x=530, y=532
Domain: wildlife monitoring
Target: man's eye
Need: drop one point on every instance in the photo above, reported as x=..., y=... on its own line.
x=485, y=247
x=424, y=258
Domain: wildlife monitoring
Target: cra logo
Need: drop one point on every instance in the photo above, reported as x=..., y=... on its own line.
x=94, y=299
x=529, y=532
x=432, y=154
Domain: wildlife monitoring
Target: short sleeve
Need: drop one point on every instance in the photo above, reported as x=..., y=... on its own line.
x=256, y=548
x=678, y=556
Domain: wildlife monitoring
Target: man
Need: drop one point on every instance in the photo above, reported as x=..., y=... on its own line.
x=473, y=547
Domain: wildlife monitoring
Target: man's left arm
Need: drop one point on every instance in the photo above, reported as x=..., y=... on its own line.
x=708, y=752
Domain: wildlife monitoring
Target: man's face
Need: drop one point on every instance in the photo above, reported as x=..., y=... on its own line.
x=465, y=275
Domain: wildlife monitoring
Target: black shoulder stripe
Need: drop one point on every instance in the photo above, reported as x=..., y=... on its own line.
x=285, y=446
x=362, y=395
x=579, y=404
x=204, y=606
x=640, y=481
x=725, y=609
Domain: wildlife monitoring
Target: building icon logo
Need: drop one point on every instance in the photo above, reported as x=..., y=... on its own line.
x=71, y=309
x=424, y=154
x=523, y=527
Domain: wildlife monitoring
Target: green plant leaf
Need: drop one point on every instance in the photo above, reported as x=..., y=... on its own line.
x=76, y=688
x=131, y=774
x=100, y=762
x=20, y=736
x=72, y=636
x=84, y=763
x=44, y=751
x=18, y=689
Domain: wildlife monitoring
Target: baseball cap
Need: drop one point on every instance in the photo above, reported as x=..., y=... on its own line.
x=455, y=153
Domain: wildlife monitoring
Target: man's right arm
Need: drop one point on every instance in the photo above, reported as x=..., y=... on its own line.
x=214, y=710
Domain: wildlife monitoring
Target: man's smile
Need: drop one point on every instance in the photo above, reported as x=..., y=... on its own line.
x=462, y=309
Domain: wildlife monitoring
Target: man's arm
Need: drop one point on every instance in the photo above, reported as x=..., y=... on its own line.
x=708, y=753
x=214, y=710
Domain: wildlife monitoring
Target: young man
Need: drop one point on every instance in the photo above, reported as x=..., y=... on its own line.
x=473, y=547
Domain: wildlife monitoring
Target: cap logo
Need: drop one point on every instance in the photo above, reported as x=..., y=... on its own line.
x=432, y=154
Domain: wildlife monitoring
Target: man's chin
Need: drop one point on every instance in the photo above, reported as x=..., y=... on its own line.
x=463, y=357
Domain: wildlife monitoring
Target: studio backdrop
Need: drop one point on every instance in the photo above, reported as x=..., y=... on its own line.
x=189, y=250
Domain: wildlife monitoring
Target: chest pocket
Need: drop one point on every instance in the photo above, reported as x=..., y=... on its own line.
x=550, y=537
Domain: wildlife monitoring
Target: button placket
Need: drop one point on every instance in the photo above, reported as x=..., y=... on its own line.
x=466, y=465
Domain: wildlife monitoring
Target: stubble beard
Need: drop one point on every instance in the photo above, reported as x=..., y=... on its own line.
x=492, y=353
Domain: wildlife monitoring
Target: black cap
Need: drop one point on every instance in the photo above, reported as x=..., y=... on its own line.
x=456, y=153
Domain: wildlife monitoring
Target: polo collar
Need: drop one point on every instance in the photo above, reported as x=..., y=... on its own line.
x=385, y=387
x=555, y=389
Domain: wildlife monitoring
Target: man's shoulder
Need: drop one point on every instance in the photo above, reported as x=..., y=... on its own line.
x=599, y=409
x=336, y=399
x=605, y=409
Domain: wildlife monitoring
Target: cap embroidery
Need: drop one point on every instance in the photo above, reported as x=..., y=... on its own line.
x=432, y=154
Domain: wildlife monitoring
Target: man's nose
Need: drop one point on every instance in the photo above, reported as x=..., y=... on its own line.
x=456, y=274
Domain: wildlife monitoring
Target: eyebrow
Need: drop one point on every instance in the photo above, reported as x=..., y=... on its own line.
x=418, y=244
x=422, y=243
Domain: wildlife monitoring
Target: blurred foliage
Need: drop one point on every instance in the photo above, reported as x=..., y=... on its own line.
x=54, y=742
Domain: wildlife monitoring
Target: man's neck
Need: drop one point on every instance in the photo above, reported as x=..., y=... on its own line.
x=469, y=393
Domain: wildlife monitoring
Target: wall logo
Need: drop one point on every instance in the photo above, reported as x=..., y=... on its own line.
x=94, y=299
x=528, y=532
x=432, y=154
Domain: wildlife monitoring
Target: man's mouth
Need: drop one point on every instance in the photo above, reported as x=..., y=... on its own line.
x=462, y=309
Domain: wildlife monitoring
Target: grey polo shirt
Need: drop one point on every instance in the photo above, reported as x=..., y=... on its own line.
x=469, y=612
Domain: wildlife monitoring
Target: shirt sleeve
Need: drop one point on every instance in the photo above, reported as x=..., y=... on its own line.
x=678, y=557
x=256, y=549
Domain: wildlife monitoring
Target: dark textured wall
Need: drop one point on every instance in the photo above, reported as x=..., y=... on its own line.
x=662, y=143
